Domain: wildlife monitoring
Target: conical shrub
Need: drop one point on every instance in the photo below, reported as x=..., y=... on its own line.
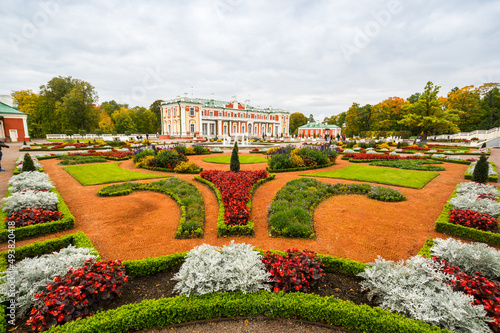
x=235, y=160
x=28, y=164
x=480, y=173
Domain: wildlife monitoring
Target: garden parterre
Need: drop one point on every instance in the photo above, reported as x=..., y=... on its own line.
x=269, y=183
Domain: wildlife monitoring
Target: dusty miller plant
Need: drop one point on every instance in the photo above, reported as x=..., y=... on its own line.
x=473, y=202
x=31, y=275
x=477, y=189
x=30, y=199
x=471, y=258
x=417, y=289
x=19, y=163
x=30, y=180
x=210, y=269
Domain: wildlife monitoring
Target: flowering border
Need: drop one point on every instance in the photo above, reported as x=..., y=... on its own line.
x=67, y=222
x=442, y=225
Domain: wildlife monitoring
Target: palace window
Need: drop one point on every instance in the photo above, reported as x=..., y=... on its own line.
x=168, y=113
x=192, y=128
x=205, y=129
x=191, y=112
x=211, y=113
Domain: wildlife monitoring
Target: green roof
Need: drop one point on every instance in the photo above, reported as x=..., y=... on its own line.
x=318, y=125
x=5, y=109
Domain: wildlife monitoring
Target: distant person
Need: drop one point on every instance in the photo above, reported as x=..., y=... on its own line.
x=2, y=145
x=147, y=136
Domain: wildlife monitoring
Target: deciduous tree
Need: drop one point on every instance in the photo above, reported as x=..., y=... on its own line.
x=297, y=119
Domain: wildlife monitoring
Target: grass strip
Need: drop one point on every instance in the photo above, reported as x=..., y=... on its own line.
x=397, y=177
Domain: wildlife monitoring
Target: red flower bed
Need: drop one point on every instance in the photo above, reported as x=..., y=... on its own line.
x=297, y=271
x=104, y=154
x=362, y=156
x=473, y=219
x=30, y=216
x=78, y=293
x=438, y=145
x=484, y=291
x=76, y=145
x=235, y=191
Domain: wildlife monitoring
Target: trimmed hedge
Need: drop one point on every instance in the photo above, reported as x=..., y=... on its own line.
x=198, y=233
x=490, y=179
x=171, y=170
x=224, y=229
x=442, y=225
x=300, y=169
x=450, y=160
x=67, y=222
x=425, y=251
x=168, y=311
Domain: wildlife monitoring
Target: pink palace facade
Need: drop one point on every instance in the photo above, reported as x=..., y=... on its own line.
x=188, y=117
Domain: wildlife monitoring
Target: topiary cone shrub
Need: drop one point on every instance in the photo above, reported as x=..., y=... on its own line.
x=28, y=164
x=235, y=160
x=480, y=174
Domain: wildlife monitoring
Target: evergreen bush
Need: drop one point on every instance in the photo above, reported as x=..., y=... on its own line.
x=480, y=173
x=28, y=164
x=235, y=160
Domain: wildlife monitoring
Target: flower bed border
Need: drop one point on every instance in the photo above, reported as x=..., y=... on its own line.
x=67, y=222
x=177, y=199
x=300, y=169
x=450, y=160
x=224, y=229
x=442, y=225
x=179, y=309
x=172, y=170
x=490, y=178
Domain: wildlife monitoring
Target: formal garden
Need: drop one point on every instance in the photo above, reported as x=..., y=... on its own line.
x=365, y=238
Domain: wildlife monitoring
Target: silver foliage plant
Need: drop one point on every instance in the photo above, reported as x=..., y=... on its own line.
x=210, y=269
x=32, y=275
x=30, y=180
x=473, y=202
x=417, y=289
x=472, y=166
x=471, y=258
x=477, y=189
x=30, y=199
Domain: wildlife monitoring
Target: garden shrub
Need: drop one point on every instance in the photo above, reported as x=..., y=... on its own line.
x=78, y=293
x=28, y=164
x=73, y=160
x=181, y=149
x=20, y=162
x=31, y=216
x=141, y=153
x=185, y=167
x=235, y=160
x=473, y=202
x=410, y=165
x=472, y=219
x=385, y=194
x=480, y=173
x=30, y=199
x=169, y=158
x=417, y=288
x=30, y=180
x=34, y=274
x=471, y=258
x=297, y=271
x=210, y=269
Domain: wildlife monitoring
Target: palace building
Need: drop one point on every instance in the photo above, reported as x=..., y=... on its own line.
x=188, y=117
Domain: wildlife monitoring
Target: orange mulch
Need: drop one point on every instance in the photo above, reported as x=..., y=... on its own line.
x=143, y=224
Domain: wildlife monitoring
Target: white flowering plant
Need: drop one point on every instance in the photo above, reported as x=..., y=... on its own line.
x=473, y=202
x=477, y=189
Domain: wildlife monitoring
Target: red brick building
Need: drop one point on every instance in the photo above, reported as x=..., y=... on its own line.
x=13, y=124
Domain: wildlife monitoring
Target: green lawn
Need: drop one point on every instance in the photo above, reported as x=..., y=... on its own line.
x=94, y=174
x=405, y=178
x=243, y=159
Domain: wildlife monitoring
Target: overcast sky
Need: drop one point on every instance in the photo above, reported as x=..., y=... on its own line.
x=306, y=56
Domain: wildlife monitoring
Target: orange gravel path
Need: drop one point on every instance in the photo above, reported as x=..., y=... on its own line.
x=143, y=224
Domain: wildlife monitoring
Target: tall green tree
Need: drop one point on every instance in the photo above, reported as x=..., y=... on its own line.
x=145, y=120
x=77, y=110
x=235, y=159
x=386, y=114
x=311, y=119
x=489, y=92
x=156, y=109
x=357, y=119
x=27, y=102
x=427, y=115
x=467, y=103
x=297, y=119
